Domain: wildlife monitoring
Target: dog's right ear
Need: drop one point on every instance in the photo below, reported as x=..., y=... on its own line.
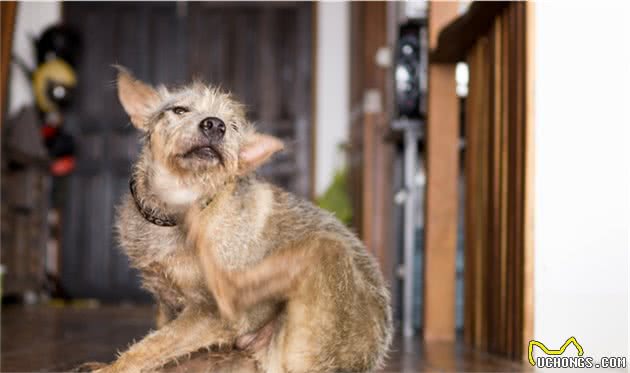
x=256, y=151
x=137, y=98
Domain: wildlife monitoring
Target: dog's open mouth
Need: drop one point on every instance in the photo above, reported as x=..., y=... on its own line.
x=204, y=152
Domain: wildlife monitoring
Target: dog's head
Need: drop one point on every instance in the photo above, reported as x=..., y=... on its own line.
x=195, y=135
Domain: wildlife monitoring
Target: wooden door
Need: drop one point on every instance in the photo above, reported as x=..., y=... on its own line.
x=260, y=52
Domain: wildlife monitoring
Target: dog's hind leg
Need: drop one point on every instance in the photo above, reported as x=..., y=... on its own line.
x=191, y=331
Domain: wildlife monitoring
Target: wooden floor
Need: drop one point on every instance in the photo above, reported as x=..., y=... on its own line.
x=45, y=338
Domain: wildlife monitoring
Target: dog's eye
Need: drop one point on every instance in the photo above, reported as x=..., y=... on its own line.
x=179, y=110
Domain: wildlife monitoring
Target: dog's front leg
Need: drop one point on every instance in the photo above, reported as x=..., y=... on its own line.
x=189, y=332
x=276, y=277
x=234, y=291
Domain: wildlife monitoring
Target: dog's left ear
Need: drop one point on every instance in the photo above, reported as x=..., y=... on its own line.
x=256, y=151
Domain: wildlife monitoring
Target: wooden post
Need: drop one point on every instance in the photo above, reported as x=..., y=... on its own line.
x=442, y=193
x=371, y=156
x=7, y=11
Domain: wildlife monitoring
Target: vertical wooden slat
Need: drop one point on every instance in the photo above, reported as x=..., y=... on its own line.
x=482, y=274
x=523, y=182
x=441, y=194
x=508, y=45
x=472, y=303
x=485, y=269
x=470, y=196
x=494, y=199
x=493, y=255
x=513, y=127
x=505, y=166
x=527, y=267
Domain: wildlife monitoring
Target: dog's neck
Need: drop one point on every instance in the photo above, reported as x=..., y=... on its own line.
x=162, y=200
x=176, y=195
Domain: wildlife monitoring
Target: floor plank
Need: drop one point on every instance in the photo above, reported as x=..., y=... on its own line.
x=45, y=338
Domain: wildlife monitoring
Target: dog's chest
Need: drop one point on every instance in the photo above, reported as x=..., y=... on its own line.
x=169, y=270
x=237, y=250
x=234, y=229
x=176, y=280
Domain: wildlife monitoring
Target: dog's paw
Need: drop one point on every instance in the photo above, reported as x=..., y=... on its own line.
x=226, y=296
x=90, y=366
x=227, y=306
x=258, y=340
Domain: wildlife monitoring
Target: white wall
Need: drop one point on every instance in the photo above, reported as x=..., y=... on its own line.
x=581, y=183
x=32, y=18
x=332, y=111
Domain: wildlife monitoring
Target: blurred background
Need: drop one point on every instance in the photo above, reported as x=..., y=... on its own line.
x=479, y=149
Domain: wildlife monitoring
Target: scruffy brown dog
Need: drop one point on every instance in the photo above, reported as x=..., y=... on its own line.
x=238, y=267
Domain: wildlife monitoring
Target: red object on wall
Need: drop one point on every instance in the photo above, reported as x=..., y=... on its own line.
x=63, y=165
x=48, y=131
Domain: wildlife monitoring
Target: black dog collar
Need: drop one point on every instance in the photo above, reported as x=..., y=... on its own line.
x=161, y=220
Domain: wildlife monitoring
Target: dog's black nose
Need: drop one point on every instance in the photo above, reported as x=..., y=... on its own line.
x=213, y=128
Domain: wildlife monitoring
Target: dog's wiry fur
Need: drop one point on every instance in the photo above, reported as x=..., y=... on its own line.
x=250, y=271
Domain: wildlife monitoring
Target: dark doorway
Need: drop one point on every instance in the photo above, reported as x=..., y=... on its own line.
x=261, y=52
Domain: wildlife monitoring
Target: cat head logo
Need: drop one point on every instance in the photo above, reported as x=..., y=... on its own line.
x=560, y=351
